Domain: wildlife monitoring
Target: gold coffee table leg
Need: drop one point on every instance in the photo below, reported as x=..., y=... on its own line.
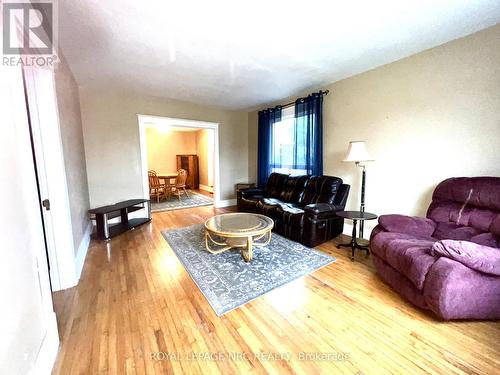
x=265, y=242
x=209, y=239
x=247, y=252
x=246, y=244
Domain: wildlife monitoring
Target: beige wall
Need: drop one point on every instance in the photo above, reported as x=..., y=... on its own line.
x=163, y=147
x=70, y=121
x=112, y=141
x=425, y=118
x=203, y=138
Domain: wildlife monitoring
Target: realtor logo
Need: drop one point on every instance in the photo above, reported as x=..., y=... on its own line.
x=29, y=33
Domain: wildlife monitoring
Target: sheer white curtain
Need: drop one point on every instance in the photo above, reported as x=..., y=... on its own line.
x=284, y=145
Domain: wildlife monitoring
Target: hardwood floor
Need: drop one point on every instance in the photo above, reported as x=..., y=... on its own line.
x=204, y=192
x=135, y=299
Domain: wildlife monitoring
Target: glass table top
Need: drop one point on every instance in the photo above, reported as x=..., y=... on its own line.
x=240, y=222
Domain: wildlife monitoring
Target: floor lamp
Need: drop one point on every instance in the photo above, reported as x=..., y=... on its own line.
x=358, y=154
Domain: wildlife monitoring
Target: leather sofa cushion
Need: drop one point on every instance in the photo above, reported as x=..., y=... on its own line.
x=291, y=215
x=294, y=189
x=322, y=210
x=275, y=184
x=249, y=203
x=267, y=206
x=270, y=201
x=252, y=198
x=405, y=253
x=288, y=213
x=320, y=189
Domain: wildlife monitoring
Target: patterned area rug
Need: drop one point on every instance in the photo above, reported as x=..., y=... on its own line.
x=227, y=281
x=173, y=203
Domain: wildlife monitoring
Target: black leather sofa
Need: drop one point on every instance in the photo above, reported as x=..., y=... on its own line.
x=303, y=207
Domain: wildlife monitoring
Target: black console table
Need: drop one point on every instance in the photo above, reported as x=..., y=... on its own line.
x=121, y=209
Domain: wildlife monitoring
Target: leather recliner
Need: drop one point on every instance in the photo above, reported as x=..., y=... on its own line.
x=303, y=208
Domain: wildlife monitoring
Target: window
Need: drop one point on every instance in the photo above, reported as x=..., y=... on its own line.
x=288, y=153
x=291, y=139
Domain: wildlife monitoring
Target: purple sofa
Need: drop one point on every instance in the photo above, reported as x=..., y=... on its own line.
x=448, y=262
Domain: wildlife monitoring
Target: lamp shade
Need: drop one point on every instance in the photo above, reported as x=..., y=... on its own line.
x=357, y=152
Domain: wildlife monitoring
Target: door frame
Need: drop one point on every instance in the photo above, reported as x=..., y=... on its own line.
x=51, y=173
x=147, y=120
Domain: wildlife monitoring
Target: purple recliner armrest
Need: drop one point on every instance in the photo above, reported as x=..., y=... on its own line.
x=413, y=225
x=477, y=257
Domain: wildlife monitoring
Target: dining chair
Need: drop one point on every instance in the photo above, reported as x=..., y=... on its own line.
x=156, y=188
x=180, y=184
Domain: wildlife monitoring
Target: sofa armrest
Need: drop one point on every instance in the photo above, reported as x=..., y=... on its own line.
x=477, y=257
x=413, y=225
x=251, y=192
x=322, y=210
x=341, y=196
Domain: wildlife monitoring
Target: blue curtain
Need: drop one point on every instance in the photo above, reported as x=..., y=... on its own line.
x=308, y=138
x=267, y=118
x=288, y=146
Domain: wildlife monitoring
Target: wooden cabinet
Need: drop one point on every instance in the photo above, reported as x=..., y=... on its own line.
x=190, y=164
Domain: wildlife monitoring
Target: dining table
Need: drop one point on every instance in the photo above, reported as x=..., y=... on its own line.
x=167, y=177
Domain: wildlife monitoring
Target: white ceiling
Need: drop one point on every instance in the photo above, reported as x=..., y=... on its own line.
x=241, y=54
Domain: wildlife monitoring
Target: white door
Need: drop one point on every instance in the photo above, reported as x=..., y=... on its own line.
x=44, y=120
x=29, y=338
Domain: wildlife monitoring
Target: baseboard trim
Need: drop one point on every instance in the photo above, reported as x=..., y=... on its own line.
x=46, y=357
x=206, y=188
x=226, y=203
x=82, y=250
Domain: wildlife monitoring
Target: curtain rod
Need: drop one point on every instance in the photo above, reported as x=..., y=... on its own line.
x=292, y=103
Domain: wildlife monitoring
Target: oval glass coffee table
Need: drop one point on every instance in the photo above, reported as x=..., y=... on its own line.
x=237, y=230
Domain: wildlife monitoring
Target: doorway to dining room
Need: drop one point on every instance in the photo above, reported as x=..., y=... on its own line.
x=180, y=162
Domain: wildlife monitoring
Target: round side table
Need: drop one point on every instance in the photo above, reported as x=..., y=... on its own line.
x=355, y=216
